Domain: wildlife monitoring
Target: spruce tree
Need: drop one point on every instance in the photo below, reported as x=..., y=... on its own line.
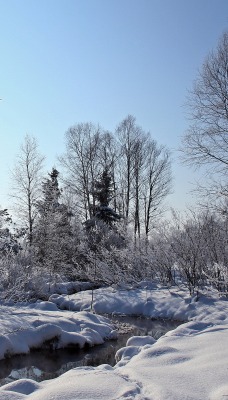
x=103, y=236
x=103, y=192
x=53, y=234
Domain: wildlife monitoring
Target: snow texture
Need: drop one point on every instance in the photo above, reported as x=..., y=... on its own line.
x=42, y=324
x=188, y=363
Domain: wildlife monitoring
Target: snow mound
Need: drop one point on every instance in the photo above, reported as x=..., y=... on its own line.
x=23, y=386
x=140, y=340
x=26, y=328
x=89, y=384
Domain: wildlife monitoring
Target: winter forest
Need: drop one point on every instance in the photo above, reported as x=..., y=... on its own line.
x=100, y=217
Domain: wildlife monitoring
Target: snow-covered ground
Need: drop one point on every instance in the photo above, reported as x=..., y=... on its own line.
x=25, y=328
x=188, y=363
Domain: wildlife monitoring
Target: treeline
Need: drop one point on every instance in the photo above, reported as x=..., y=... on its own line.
x=99, y=219
x=186, y=250
x=103, y=204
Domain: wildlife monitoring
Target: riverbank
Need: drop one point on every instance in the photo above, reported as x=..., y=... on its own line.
x=188, y=363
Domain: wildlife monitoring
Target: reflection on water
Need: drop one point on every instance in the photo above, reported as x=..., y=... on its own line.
x=40, y=365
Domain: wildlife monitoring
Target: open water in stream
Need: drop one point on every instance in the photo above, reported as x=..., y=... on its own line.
x=40, y=365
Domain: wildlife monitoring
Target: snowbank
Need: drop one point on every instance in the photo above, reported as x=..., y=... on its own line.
x=188, y=363
x=25, y=328
x=155, y=302
x=67, y=287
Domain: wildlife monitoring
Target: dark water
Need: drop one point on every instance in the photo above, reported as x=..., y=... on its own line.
x=42, y=364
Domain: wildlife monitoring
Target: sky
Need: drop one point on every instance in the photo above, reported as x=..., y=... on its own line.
x=69, y=61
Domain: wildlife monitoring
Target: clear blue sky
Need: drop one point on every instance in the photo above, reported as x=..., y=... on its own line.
x=69, y=61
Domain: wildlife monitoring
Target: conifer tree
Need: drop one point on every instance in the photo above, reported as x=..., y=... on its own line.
x=103, y=192
x=53, y=234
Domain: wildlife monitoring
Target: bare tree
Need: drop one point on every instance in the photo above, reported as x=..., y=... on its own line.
x=127, y=132
x=206, y=141
x=81, y=164
x=26, y=182
x=157, y=182
x=138, y=163
x=145, y=174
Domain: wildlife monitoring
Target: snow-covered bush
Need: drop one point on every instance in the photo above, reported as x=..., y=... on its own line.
x=192, y=249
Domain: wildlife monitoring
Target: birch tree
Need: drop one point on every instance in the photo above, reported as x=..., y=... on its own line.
x=127, y=132
x=26, y=183
x=157, y=182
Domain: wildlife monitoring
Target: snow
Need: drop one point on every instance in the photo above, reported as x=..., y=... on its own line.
x=67, y=287
x=154, y=301
x=188, y=363
x=25, y=328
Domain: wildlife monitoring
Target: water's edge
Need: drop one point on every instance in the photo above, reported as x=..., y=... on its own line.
x=44, y=364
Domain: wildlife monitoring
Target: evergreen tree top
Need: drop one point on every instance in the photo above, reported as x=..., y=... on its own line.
x=103, y=192
x=103, y=188
x=54, y=174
